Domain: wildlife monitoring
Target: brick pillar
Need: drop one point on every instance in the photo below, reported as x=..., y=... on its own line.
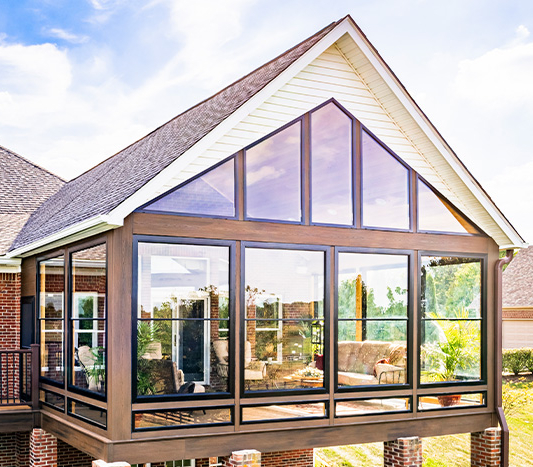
x=43, y=449
x=101, y=463
x=403, y=452
x=486, y=448
x=246, y=457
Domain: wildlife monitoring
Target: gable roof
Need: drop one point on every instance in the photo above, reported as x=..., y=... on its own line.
x=517, y=280
x=101, y=189
x=105, y=195
x=23, y=187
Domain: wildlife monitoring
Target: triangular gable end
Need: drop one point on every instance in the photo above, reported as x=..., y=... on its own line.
x=273, y=174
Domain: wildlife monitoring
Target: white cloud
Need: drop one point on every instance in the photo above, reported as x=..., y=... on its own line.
x=67, y=36
x=501, y=78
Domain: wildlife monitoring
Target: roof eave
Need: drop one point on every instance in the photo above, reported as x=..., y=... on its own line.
x=87, y=228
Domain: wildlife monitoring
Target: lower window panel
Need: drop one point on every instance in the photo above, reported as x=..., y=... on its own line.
x=273, y=412
x=182, y=418
x=87, y=412
x=451, y=401
x=51, y=399
x=358, y=407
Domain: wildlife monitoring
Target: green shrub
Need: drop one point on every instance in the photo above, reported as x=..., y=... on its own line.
x=517, y=360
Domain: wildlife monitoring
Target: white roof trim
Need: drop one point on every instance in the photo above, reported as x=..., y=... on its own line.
x=9, y=265
x=84, y=229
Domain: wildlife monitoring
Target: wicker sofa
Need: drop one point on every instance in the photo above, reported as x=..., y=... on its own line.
x=358, y=363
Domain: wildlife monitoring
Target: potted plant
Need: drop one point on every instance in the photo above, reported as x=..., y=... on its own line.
x=456, y=349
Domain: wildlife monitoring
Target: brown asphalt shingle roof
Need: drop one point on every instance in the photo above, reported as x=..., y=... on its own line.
x=103, y=188
x=23, y=187
x=517, y=280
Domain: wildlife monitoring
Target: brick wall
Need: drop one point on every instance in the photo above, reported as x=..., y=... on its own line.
x=69, y=456
x=9, y=311
x=403, y=452
x=23, y=449
x=485, y=448
x=296, y=458
x=8, y=455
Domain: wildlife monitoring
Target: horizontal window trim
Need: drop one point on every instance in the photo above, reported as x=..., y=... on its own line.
x=374, y=319
x=93, y=395
x=52, y=406
x=184, y=319
x=373, y=414
x=288, y=419
x=452, y=319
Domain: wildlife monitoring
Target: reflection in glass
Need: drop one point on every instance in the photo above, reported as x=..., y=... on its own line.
x=447, y=401
x=275, y=412
x=372, y=311
x=89, y=285
x=183, y=319
x=88, y=412
x=273, y=183
x=385, y=187
x=434, y=215
x=284, y=306
x=51, y=316
x=349, y=408
x=212, y=194
x=52, y=399
x=331, y=166
x=180, y=418
x=451, y=326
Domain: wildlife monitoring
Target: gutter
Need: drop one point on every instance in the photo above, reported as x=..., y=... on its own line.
x=9, y=265
x=498, y=357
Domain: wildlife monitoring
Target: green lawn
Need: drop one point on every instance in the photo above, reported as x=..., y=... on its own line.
x=448, y=451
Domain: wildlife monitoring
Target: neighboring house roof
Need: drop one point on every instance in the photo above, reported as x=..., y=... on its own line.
x=104, y=187
x=339, y=62
x=24, y=186
x=517, y=280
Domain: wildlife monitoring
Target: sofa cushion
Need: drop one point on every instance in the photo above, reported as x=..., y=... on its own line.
x=348, y=354
x=346, y=378
x=371, y=352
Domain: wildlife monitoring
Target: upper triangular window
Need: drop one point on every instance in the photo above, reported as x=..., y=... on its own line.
x=210, y=194
x=437, y=215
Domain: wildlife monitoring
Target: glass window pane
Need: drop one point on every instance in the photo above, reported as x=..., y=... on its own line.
x=352, y=408
x=372, y=286
x=52, y=349
x=450, y=401
x=182, y=342
x=284, y=318
x=182, y=418
x=372, y=352
x=451, y=287
x=385, y=188
x=273, y=179
x=52, y=287
x=283, y=411
x=331, y=166
x=89, y=287
x=88, y=412
x=52, y=399
x=451, y=350
x=212, y=194
x=434, y=215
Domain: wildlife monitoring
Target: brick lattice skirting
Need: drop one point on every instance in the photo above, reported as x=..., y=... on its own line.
x=486, y=448
x=403, y=452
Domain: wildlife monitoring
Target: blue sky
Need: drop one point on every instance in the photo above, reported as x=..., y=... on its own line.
x=82, y=79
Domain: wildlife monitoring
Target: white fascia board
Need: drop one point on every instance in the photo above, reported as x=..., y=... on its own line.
x=430, y=131
x=146, y=193
x=9, y=265
x=79, y=231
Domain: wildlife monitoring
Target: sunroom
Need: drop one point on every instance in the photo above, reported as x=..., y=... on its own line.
x=313, y=279
x=298, y=261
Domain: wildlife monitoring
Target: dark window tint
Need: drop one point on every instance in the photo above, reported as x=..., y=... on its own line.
x=331, y=166
x=385, y=188
x=212, y=194
x=273, y=180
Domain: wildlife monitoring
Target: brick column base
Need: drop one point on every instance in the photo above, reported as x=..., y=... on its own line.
x=246, y=457
x=43, y=449
x=101, y=463
x=403, y=452
x=486, y=448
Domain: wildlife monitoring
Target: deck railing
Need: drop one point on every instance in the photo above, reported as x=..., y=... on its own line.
x=19, y=377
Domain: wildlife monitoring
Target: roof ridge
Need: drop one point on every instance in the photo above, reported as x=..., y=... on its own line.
x=37, y=166
x=207, y=99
